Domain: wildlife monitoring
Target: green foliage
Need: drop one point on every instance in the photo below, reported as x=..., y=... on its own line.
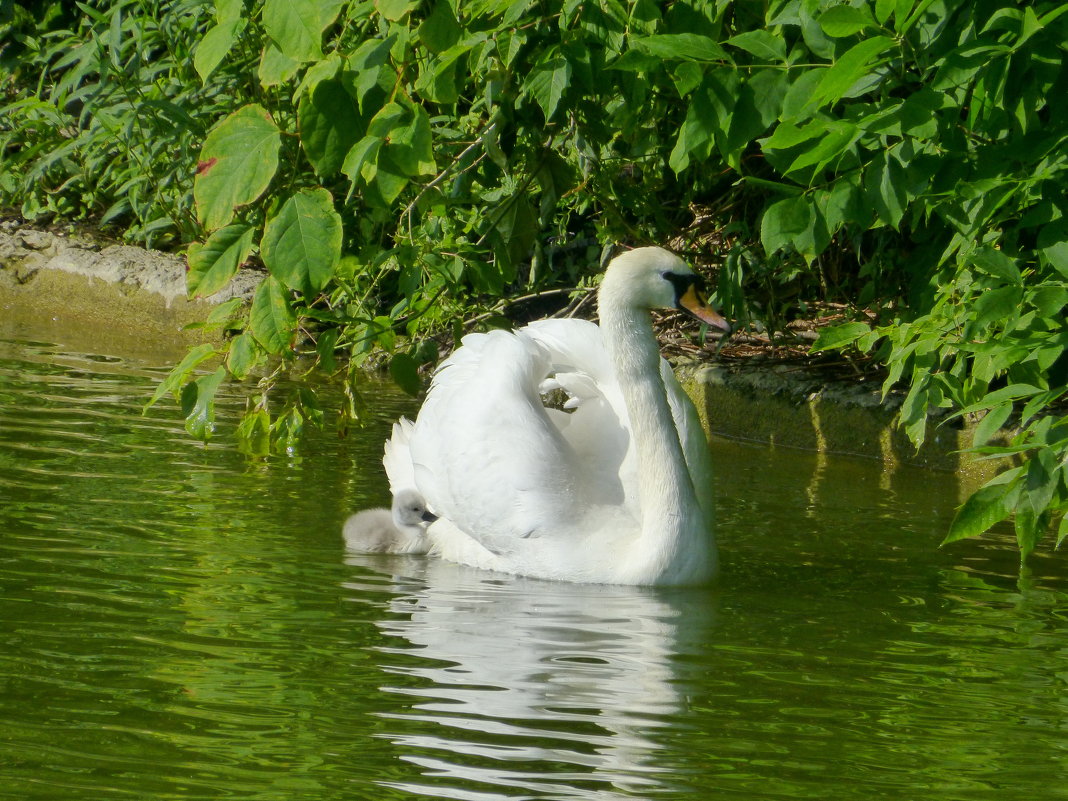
x=400, y=166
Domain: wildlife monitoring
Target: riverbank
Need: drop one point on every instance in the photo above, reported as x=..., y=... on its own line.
x=134, y=301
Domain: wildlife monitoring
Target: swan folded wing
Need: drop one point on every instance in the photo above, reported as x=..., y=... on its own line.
x=485, y=453
x=583, y=368
x=397, y=457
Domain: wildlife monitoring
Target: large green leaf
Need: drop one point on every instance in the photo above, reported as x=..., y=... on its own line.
x=989, y=505
x=302, y=243
x=684, y=46
x=853, y=65
x=296, y=26
x=548, y=82
x=216, y=45
x=244, y=355
x=845, y=20
x=198, y=404
x=783, y=222
x=838, y=336
x=440, y=30
x=237, y=163
x=178, y=376
x=271, y=320
x=214, y=263
x=762, y=44
x=330, y=124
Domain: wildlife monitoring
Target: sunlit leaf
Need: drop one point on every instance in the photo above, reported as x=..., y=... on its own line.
x=237, y=162
x=849, y=68
x=216, y=45
x=838, y=336
x=179, y=374
x=271, y=320
x=845, y=20
x=215, y=262
x=986, y=507
x=686, y=46
x=330, y=124
x=302, y=243
x=198, y=404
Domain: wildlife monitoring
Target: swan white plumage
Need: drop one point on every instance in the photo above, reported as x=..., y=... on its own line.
x=616, y=491
x=401, y=529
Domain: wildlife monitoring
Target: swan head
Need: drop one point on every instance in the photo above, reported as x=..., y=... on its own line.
x=654, y=278
x=409, y=510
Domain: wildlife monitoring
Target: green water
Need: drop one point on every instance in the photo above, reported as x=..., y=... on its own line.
x=177, y=622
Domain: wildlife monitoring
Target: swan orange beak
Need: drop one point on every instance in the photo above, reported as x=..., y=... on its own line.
x=694, y=302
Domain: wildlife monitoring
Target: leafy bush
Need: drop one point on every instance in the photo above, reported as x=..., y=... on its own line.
x=398, y=166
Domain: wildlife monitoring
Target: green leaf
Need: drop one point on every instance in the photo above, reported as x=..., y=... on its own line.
x=395, y=10
x=783, y=222
x=296, y=26
x=696, y=136
x=198, y=404
x=994, y=262
x=761, y=43
x=684, y=46
x=287, y=429
x=271, y=320
x=213, y=264
x=275, y=67
x=360, y=160
x=548, y=82
x=302, y=243
x=440, y=30
x=913, y=414
x=215, y=46
x=330, y=124
x=836, y=139
x=224, y=313
x=405, y=372
x=985, y=508
x=839, y=21
x=1040, y=480
x=1001, y=305
x=848, y=69
x=838, y=336
x=1011, y=392
x=886, y=188
x=244, y=356
x=254, y=433
x=237, y=163
x=411, y=145
x=990, y=424
x=180, y=373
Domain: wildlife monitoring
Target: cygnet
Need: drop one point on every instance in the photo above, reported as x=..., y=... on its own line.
x=400, y=530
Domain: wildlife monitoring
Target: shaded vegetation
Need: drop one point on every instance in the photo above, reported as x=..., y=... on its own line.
x=400, y=166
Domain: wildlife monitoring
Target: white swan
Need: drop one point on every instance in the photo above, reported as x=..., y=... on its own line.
x=616, y=491
x=401, y=529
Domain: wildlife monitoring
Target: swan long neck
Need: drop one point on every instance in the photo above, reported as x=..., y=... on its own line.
x=672, y=526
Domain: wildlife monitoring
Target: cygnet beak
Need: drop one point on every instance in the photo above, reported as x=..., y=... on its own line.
x=428, y=516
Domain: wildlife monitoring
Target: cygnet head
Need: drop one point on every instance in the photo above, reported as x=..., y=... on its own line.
x=409, y=510
x=654, y=278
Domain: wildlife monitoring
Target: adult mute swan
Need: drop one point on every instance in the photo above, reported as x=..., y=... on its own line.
x=614, y=488
x=401, y=529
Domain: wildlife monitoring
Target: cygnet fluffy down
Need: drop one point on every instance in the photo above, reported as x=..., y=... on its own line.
x=400, y=530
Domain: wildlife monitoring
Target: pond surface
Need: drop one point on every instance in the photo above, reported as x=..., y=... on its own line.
x=180, y=622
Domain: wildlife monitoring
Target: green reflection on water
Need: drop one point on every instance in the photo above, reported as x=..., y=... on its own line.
x=180, y=623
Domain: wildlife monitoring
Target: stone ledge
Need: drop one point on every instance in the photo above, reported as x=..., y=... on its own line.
x=794, y=408
x=119, y=291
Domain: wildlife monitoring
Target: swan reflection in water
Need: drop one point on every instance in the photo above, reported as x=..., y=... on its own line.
x=543, y=687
